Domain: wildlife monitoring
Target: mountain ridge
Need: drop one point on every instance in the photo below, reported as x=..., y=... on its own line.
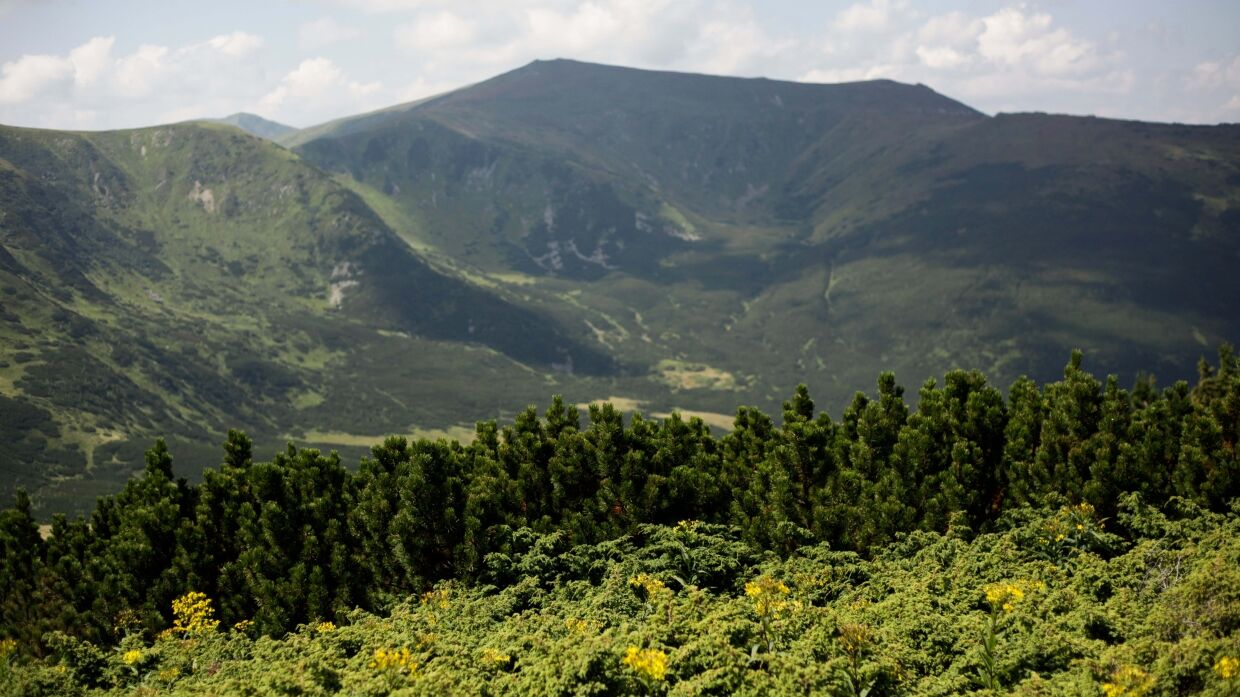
x=666, y=240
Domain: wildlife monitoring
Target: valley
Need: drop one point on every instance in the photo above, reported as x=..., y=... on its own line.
x=682, y=242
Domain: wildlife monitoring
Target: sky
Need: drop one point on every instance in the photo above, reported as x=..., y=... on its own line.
x=100, y=64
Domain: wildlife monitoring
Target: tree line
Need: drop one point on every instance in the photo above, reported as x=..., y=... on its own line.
x=302, y=538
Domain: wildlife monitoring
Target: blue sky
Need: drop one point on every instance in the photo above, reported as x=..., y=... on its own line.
x=122, y=63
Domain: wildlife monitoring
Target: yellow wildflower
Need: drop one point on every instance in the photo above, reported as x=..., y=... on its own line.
x=495, y=658
x=324, y=627
x=132, y=657
x=1227, y=667
x=1128, y=681
x=765, y=585
x=393, y=661
x=243, y=626
x=579, y=626
x=436, y=598
x=1007, y=595
x=648, y=583
x=193, y=614
x=647, y=662
x=768, y=595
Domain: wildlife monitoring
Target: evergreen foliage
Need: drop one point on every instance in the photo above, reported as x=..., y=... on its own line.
x=879, y=528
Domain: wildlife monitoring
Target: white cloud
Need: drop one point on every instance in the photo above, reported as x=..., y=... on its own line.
x=29, y=75
x=313, y=89
x=734, y=47
x=1013, y=37
x=591, y=24
x=434, y=32
x=92, y=86
x=364, y=89
x=954, y=29
x=236, y=44
x=1213, y=75
x=325, y=31
x=380, y=6
x=941, y=57
x=311, y=79
x=865, y=17
x=1008, y=55
x=137, y=73
x=92, y=60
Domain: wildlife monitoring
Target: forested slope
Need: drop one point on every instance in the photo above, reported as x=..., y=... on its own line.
x=1055, y=540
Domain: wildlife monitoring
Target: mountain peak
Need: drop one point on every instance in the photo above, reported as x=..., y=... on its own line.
x=256, y=125
x=585, y=82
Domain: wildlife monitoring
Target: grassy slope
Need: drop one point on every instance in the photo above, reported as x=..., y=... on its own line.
x=177, y=281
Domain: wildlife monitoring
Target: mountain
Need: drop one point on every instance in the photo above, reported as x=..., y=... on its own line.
x=832, y=230
x=663, y=240
x=257, y=125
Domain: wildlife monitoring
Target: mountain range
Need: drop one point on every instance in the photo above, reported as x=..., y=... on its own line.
x=664, y=241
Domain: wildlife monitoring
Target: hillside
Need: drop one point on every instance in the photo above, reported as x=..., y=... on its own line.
x=835, y=229
x=181, y=280
x=665, y=240
x=1071, y=538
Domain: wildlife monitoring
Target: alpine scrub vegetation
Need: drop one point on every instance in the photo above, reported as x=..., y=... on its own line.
x=1074, y=539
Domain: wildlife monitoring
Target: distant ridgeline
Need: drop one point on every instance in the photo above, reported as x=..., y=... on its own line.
x=302, y=539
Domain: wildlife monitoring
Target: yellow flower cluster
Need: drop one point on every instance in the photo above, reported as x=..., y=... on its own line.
x=580, y=626
x=1128, y=681
x=393, y=661
x=436, y=598
x=495, y=658
x=1069, y=522
x=1007, y=595
x=1227, y=667
x=7, y=647
x=192, y=614
x=769, y=596
x=132, y=657
x=647, y=582
x=243, y=626
x=648, y=662
x=324, y=627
